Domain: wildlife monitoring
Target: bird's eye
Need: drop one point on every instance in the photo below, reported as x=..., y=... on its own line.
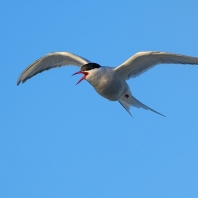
x=89, y=68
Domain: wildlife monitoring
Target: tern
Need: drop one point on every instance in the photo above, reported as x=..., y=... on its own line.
x=109, y=82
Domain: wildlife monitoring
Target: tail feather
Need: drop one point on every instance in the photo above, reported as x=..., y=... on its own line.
x=126, y=107
x=132, y=101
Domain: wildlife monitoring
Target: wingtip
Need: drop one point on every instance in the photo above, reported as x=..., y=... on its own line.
x=18, y=82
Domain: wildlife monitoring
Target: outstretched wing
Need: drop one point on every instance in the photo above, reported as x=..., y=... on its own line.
x=142, y=61
x=51, y=60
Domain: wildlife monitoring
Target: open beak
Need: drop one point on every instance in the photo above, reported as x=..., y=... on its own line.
x=81, y=72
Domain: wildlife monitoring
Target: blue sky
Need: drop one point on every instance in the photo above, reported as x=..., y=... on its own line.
x=62, y=140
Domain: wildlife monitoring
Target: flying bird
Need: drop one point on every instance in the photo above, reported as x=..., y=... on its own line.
x=109, y=82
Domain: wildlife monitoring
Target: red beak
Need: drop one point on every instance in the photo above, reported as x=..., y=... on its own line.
x=81, y=72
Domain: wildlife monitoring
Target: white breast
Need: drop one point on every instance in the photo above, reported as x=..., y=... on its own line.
x=106, y=82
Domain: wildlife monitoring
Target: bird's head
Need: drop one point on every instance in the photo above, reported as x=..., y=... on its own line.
x=87, y=69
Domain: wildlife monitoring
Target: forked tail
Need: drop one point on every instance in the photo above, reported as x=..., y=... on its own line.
x=126, y=102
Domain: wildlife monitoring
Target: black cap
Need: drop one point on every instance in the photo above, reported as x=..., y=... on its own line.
x=89, y=66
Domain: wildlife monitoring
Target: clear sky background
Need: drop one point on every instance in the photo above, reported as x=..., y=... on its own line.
x=62, y=140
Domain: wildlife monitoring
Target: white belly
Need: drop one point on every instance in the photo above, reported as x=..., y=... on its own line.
x=108, y=85
x=112, y=90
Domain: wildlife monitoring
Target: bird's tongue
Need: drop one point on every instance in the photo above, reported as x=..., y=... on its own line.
x=81, y=72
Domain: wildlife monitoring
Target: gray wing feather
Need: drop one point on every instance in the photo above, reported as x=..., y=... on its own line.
x=51, y=60
x=142, y=61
